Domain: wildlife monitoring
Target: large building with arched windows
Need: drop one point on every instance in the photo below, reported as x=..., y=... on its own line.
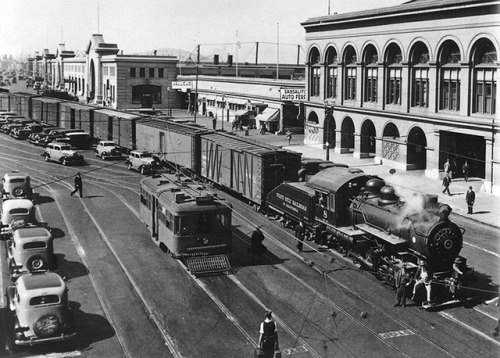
x=411, y=85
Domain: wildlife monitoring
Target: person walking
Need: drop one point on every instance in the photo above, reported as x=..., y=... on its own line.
x=78, y=185
x=214, y=122
x=289, y=137
x=470, y=197
x=268, y=337
x=447, y=167
x=299, y=234
x=256, y=245
x=402, y=280
x=465, y=171
x=446, y=184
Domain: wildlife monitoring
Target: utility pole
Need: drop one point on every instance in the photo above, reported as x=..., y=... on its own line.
x=278, y=51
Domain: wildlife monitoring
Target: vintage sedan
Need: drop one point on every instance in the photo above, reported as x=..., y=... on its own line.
x=31, y=249
x=107, y=149
x=142, y=161
x=16, y=213
x=62, y=153
x=40, y=310
x=16, y=186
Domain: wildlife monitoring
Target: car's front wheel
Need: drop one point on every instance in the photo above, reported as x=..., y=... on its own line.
x=65, y=161
x=142, y=170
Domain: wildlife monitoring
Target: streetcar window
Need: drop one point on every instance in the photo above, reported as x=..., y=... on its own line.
x=188, y=225
x=204, y=223
x=221, y=221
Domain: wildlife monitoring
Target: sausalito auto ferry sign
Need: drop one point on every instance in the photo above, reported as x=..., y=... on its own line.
x=293, y=94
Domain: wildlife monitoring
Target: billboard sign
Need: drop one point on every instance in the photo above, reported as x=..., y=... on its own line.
x=182, y=85
x=293, y=94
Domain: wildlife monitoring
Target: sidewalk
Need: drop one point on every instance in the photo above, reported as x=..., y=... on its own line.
x=486, y=207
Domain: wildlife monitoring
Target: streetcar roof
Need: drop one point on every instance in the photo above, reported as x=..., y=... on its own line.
x=180, y=194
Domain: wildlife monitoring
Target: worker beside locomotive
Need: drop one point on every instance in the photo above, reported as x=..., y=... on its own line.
x=365, y=219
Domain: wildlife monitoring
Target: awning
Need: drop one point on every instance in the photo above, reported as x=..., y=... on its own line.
x=269, y=115
x=241, y=112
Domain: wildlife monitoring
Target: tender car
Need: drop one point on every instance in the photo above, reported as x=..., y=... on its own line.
x=141, y=160
x=62, y=153
x=31, y=249
x=40, y=308
x=107, y=149
x=16, y=213
x=16, y=185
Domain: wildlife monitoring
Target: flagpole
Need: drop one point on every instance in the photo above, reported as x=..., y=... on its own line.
x=278, y=51
x=237, y=45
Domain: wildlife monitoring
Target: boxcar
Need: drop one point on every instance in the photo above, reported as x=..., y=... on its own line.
x=175, y=143
x=46, y=110
x=21, y=103
x=117, y=126
x=75, y=115
x=246, y=167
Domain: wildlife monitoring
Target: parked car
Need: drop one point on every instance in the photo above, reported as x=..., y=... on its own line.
x=20, y=132
x=16, y=213
x=31, y=249
x=107, y=149
x=40, y=309
x=141, y=160
x=62, y=153
x=16, y=186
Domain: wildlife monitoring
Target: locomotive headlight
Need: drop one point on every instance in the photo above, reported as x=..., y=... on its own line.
x=448, y=244
x=413, y=239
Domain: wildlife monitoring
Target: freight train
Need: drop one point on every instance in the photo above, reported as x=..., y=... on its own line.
x=364, y=218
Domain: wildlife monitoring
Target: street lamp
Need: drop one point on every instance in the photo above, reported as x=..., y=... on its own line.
x=223, y=106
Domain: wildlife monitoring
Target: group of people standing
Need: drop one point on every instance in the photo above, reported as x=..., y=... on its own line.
x=450, y=170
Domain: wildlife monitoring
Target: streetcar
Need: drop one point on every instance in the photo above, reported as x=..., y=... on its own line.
x=188, y=221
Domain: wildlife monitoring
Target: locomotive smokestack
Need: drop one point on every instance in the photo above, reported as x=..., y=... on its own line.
x=444, y=212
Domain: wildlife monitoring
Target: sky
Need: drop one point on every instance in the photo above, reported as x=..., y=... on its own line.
x=139, y=26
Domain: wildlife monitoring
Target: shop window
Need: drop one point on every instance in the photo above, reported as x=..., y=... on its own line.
x=143, y=93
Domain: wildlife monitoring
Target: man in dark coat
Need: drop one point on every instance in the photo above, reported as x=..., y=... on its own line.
x=299, y=234
x=401, y=280
x=78, y=185
x=470, y=197
x=446, y=184
x=268, y=337
x=256, y=245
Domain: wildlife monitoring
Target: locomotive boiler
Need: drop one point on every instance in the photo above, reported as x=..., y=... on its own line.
x=419, y=224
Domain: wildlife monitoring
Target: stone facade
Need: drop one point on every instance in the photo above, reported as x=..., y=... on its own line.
x=409, y=85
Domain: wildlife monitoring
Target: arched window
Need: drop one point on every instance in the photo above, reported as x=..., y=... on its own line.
x=350, y=74
x=484, y=60
x=449, y=93
x=420, y=62
x=371, y=74
x=394, y=75
x=332, y=73
x=315, y=73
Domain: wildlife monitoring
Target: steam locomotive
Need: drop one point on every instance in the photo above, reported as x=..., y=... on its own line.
x=364, y=218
